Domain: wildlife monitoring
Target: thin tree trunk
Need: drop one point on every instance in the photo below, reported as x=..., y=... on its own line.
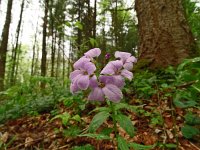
x=58, y=58
x=63, y=61
x=164, y=35
x=94, y=20
x=15, y=51
x=44, y=51
x=115, y=23
x=79, y=39
x=4, y=44
x=53, y=41
x=17, y=61
x=34, y=46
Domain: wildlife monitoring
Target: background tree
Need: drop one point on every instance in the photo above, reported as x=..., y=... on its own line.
x=4, y=44
x=16, y=47
x=164, y=35
x=44, y=50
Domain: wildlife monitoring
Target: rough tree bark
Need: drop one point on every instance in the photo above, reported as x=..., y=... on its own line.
x=44, y=51
x=4, y=44
x=164, y=35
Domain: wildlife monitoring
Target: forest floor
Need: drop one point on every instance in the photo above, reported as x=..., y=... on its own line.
x=41, y=132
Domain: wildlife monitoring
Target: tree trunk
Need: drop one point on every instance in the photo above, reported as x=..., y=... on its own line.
x=164, y=35
x=79, y=38
x=34, y=51
x=15, y=50
x=44, y=51
x=4, y=44
x=94, y=20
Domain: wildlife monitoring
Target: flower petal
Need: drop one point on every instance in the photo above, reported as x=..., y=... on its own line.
x=131, y=59
x=79, y=64
x=127, y=74
x=95, y=52
x=128, y=65
x=74, y=88
x=93, y=82
x=108, y=69
x=117, y=64
x=122, y=55
x=96, y=94
x=89, y=67
x=74, y=74
x=113, y=93
x=118, y=81
x=83, y=82
x=106, y=79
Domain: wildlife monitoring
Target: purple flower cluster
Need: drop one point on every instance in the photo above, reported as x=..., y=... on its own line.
x=111, y=79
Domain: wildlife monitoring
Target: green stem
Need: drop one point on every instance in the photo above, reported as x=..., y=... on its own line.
x=114, y=113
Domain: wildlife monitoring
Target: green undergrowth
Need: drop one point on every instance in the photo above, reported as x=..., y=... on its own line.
x=180, y=86
x=29, y=99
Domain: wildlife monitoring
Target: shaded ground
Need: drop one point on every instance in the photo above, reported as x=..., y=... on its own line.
x=157, y=122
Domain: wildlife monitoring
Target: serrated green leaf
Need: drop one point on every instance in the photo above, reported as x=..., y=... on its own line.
x=119, y=106
x=96, y=136
x=106, y=131
x=192, y=119
x=170, y=145
x=100, y=109
x=77, y=118
x=65, y=118
x=98, y=120
x=189, y=131
x=85, y=147
x=136, y=146
x=122, y=144
x=183, y=99
x=185, y=104
x=72, y=131
x=126, y=124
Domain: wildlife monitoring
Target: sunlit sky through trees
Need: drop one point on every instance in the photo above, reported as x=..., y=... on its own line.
x=33, y=15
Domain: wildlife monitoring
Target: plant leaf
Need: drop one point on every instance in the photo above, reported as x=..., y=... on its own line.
x=98, y=120
x=126, y=124
x=189, y=131
x=96, y=136
x=122, y=144
x=136, y=146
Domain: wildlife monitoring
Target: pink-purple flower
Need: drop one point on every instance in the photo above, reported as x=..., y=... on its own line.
x=105, y=89
x=126, y=58
x=80, y=77
x=111, y=79
x=95, y=52
x=116, y=70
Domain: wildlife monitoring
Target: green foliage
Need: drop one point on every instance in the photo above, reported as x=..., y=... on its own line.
x=121, y=143
x=192, y=119
x=65, y=118
x=136, y=146
x=189, y=131
x=143, y=84
x=29, y=98
x=126, y=124
x=72, y=131
x=98, y=120
x=85, y=147
x=96, y=136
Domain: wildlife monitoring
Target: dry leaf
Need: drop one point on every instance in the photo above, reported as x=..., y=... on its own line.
x=28, y=141
x=4, y=137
